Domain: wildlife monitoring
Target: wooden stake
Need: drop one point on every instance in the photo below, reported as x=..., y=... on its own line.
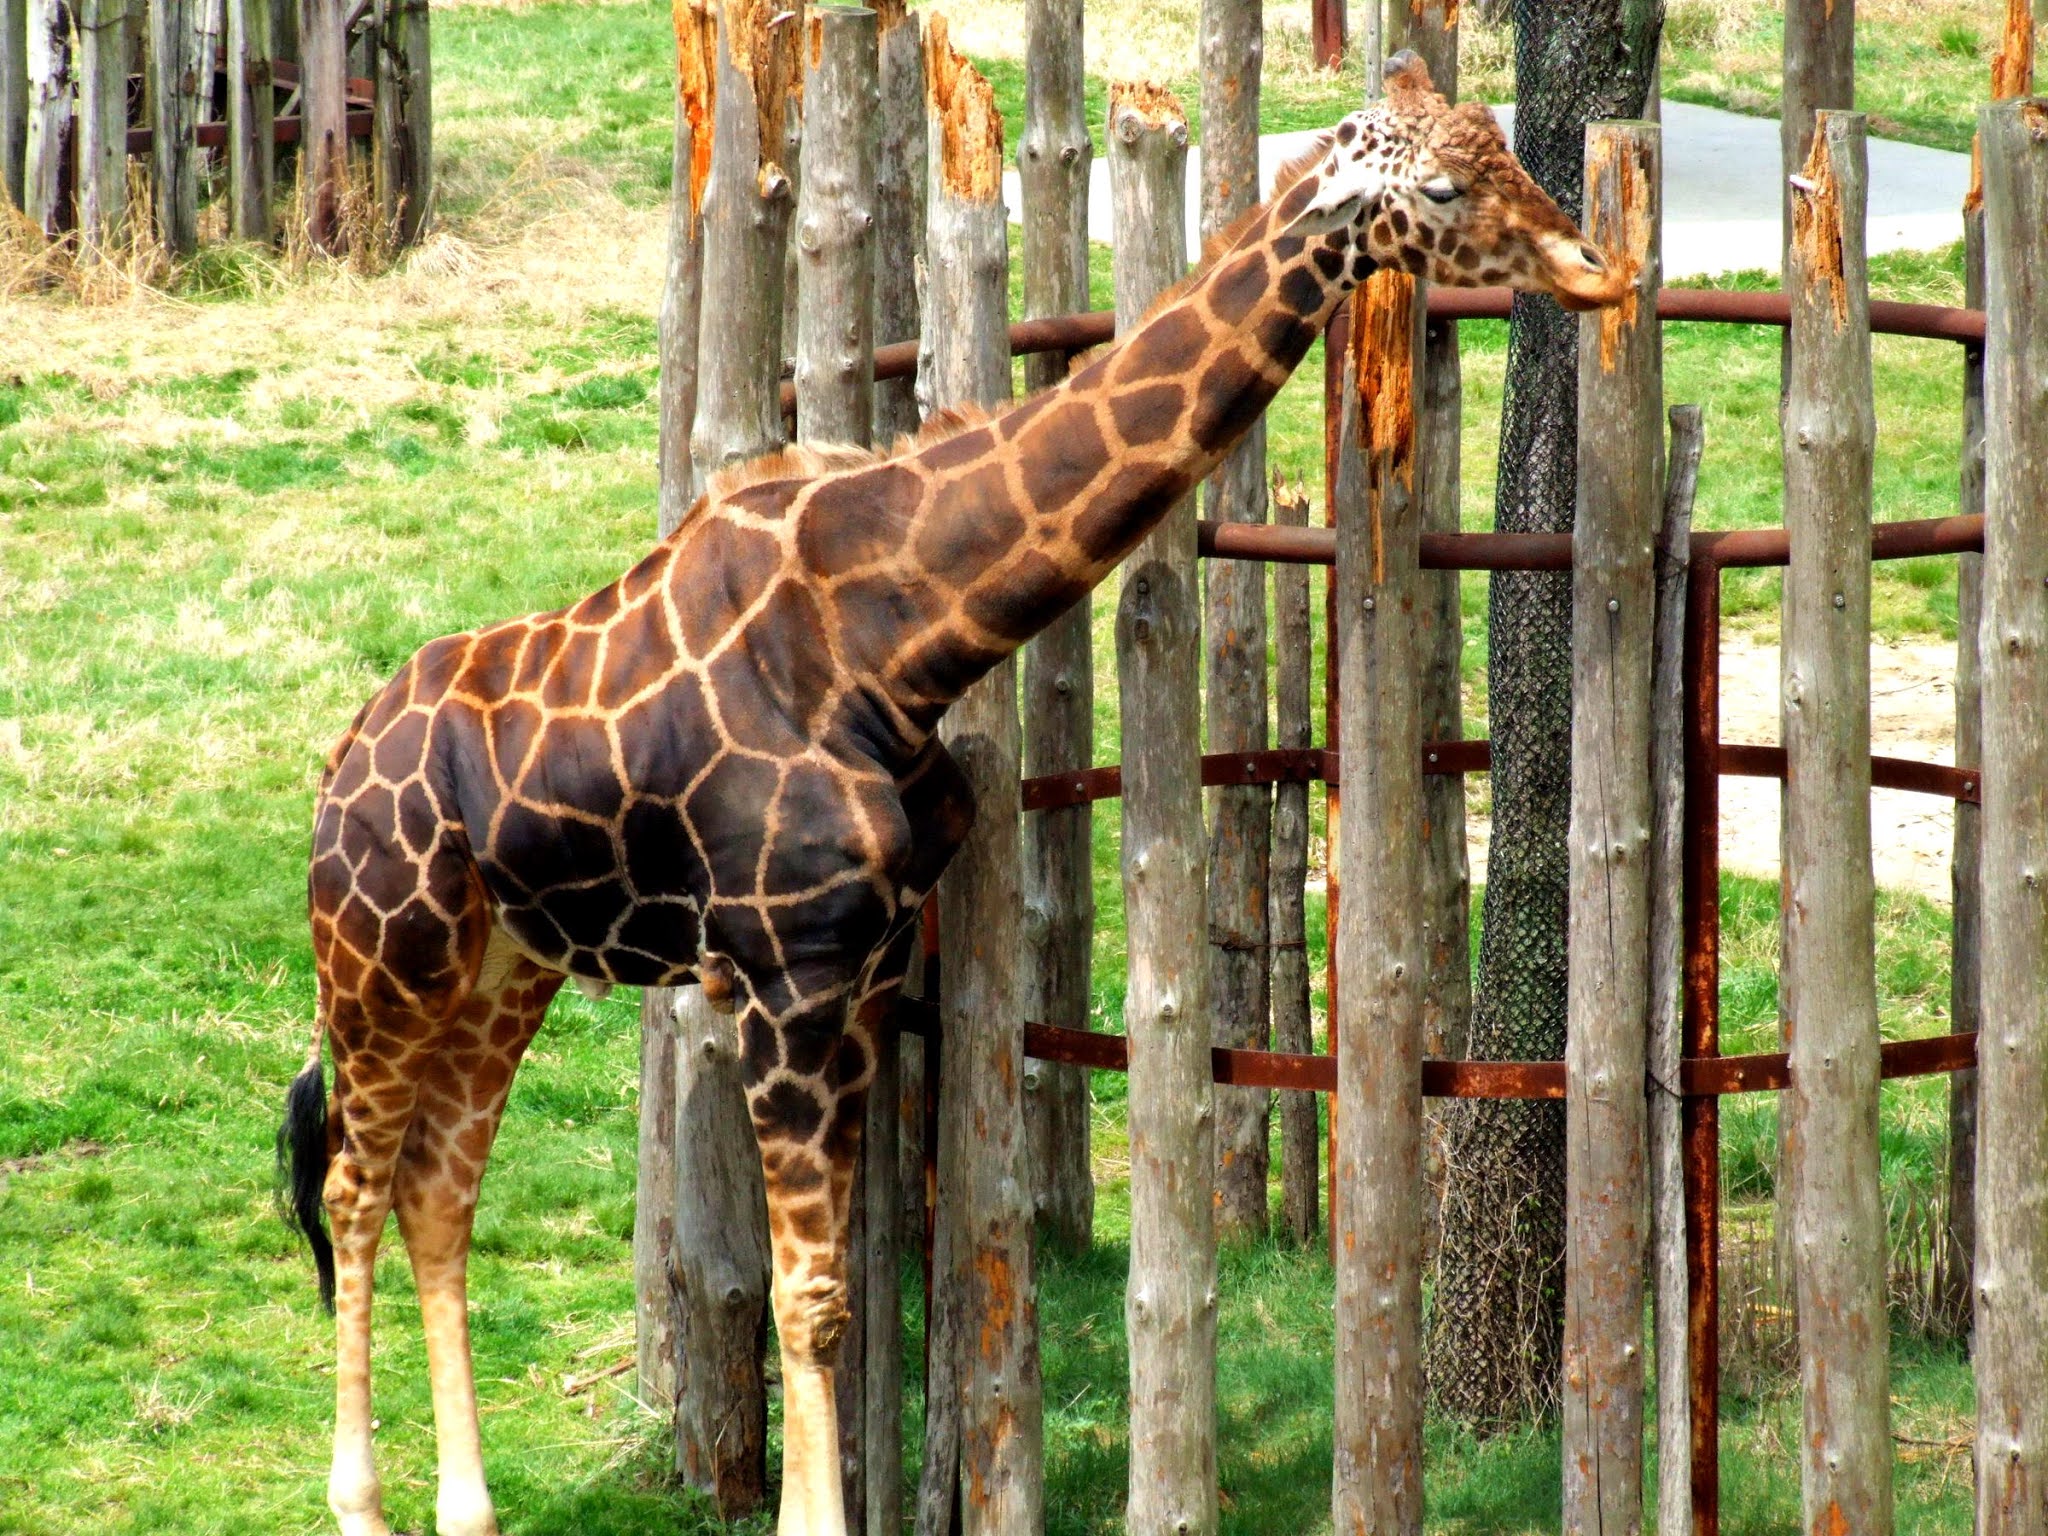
x=49, y=116
x=102, y=125
x=1293, y=1024
x=323, y=113
x=252, y=150
x=402, y=126
x=13, y=96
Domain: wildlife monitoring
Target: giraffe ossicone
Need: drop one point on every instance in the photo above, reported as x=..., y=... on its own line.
x=723, y=766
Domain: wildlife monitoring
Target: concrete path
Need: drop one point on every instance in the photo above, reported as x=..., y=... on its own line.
x=1721, y=191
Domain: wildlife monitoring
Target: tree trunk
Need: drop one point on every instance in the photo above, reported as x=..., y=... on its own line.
x=1170, y=1305
x=1059, y=668
x=102, y=125
x=2012, y=1061
x=402, y=151
x=44, y=179
x=252, y=146
x=654, y=1205
x=323, y=114
x=1376, y=1184
x=13, y=96
x=1495, y=1331
x=1240, y=836
x=1293, y=1023
x=1621, y=467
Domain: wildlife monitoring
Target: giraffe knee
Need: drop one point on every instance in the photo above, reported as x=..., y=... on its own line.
x=813, y=1320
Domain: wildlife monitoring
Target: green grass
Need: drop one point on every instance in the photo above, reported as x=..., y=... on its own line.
x=212, y=550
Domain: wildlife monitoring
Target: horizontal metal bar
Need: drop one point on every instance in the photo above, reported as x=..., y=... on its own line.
x=1744, y=761
x=284, y=130
x=1713, y=1076
x=1930, y=322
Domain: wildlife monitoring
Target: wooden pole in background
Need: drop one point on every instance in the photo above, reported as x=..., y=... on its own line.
x=1241, y=827
x=1829, y=979
x=1667, y=979
x=1059, y=667
x=2011, y=1353
x=835, y=387
x=1170, y=1303
x=1326, y=32
x=1293, y=1023
x=252, y=148
x=982, y=1283
x=323, y=114
x=402, y=126
x=1620, y=492
x=102, y=125
x=43, y=179
x=1376, y=1183
x=13, y=96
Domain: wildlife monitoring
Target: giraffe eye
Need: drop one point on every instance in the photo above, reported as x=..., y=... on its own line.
x=1442, y=190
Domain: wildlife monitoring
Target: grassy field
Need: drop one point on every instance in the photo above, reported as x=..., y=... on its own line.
x=227, y=513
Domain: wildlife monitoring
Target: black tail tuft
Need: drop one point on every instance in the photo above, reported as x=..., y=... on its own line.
x=302, y=1170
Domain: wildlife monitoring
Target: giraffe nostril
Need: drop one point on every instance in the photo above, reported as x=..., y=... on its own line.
x=1592, y=258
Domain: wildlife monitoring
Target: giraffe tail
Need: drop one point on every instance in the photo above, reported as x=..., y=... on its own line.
x=302, y=1156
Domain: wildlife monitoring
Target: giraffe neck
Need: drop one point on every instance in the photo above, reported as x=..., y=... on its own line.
x=1025, y=515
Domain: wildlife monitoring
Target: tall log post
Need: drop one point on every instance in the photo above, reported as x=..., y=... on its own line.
x=13, y=97
x=835, y=386
x=1059, y=667
x=252, y=148
x=1376, y=1184
x=721, y=1222
x=656, y=1289
x=2011, y=1351
x=982, y=1285
x=1293, y=1023
x=323, y=115
x=1667, y=1024
x=1620, y=478
x=1170, y=1305
x=102, y=125
x=1326, y=33
x=1830, y=985
x=402, y=123
x=1240, y=839
x=44, y=178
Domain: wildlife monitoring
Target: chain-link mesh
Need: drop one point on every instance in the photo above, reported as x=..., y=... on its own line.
x=1497, y=1323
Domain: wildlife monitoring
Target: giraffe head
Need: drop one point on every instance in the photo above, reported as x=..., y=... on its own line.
x=1433, y=189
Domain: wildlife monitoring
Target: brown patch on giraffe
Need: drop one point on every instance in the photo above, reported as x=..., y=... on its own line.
x=857, y=520
x=965, y=122
x=696, y=26
x=639, y=652
x=1066, y=451
x=1237, y=288
x=1817, y=228
x=1013, y=602
x=1147, y=413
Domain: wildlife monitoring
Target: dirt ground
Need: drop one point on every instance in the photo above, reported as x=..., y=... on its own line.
x=1912, y=700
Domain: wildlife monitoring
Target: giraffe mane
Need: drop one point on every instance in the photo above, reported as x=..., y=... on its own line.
x=806, y=461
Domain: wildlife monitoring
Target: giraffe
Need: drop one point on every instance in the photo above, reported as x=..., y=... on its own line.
x=724, y=767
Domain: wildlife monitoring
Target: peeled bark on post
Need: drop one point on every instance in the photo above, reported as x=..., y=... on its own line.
x=13, y=96
x=1819, y=74
x=1059, y=668
x=1241, y=830
x=835, y=382
x=252, y=150
x=982, y=1286
x=44, y=181
x=683, y=287
x=323, y=115
x=900, y=151
x=1293, y=1023
x=2011, y=1351
x=102, y=125
x=1376, y=1185
x=1170, y=1305
x=1666, y=1032
x=1621, y=471
x=402, y=125
x=723, y=1271
x=1829, y=977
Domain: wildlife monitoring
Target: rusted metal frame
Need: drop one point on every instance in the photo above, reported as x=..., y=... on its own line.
x=285, y=130
x=1744, y=761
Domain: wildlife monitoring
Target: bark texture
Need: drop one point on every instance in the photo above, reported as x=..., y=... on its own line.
x=654, y=1205
x=1170, y=1305
x=402, y=143
x=102, y=124
x=2012, y=1061
x=1293, y=1023
x=252, y=150
x=1059, y=667
x=13, y=96
x=45, y=173
x=1232, y=45
x=1829, y=982
x=323, y=109
x=1621, y=473
x=1496, y=1325
x=1376, y=1183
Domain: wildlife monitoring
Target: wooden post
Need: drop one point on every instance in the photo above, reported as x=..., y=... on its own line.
x=284, y=28
x=402, y=125
x=1241, y=829
x=1620, y=476
x=1059, y=668
x=1667, y=1023
x=44, y=182
x=982, y=1271
x=252, y=149
x=1170, y=1306
x=696, y=28
x=1819, y=75
x=13, y=97
x=835, y=385
x=102, y=125
x=323, y=114
x=1326, y=33
x=2011, y=1351
x=1376, y=1185
x=1830, y=985
x=1293, y=1024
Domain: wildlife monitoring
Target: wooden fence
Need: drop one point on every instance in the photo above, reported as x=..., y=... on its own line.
x=220, y=105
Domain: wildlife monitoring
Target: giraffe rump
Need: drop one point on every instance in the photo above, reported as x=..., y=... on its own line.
x=302, y=1170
